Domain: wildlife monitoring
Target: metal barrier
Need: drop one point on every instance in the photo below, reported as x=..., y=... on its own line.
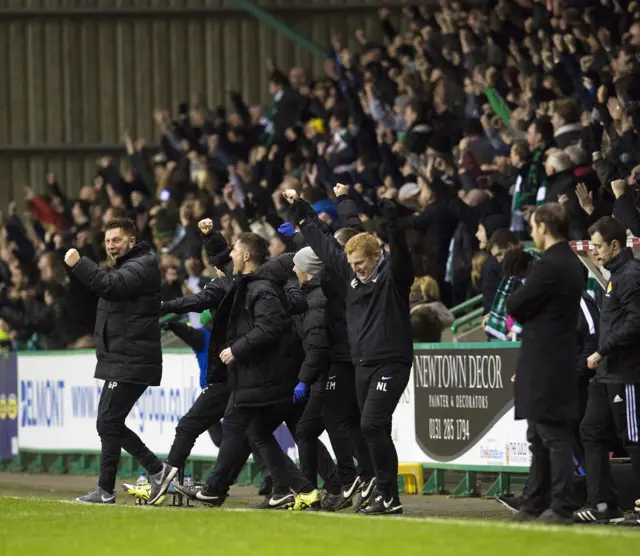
x=467, y=326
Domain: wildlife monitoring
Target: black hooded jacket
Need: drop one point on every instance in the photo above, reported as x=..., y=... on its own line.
x=250, y=318
x=127, y=332
x=333, y=285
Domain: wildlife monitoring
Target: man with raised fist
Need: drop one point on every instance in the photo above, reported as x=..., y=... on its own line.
x=127, y=338
x=379, y=330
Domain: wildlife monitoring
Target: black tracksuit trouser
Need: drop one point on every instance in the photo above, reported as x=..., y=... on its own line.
x=341, y=415
x=314, y=456
x=379, y=388
x=613, y=414
x=116, y=401
x=205, y=415
x=258, y=423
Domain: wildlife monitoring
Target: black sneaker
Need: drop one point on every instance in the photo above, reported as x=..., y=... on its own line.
x=349, y=491
x=202, y=494
x=277, y=502
x=600, y=514
x=266, y=485
x=366, y=491
x=334, y=502
x=383, y=506
x=552, y=518
x=160, y=482
x=512, y=503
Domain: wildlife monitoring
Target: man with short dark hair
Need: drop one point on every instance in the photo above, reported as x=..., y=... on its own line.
x=566, y=123
x=547, y=306
x=612, y=407
x=127, y=337
x=251, y=350
x=500, y=242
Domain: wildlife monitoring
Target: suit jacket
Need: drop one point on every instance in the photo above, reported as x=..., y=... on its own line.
x=547, y=306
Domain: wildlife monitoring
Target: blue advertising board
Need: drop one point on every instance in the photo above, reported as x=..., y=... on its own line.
x=8, y=405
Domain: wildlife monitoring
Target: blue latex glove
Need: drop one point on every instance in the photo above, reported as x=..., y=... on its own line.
x=287, y=229
x=300, y=393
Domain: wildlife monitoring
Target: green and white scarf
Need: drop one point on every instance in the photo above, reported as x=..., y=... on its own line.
x=497, y=325
x=541, y=194
x=269, y=117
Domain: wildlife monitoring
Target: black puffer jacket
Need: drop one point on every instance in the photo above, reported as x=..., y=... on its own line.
x=311, y=327
x=218, y=251
x=127, y=333
x=252, y=320
x=335, y=290
x=620, y=322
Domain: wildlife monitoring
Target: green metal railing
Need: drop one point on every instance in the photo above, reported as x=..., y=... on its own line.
x=467, y=306
x=468, y=315
x=470, y=320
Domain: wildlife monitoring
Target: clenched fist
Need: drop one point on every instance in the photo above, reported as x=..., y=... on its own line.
x=206, y=226
x=341, y=189
x=72, y=257
x=290, y=195
x=619, y=187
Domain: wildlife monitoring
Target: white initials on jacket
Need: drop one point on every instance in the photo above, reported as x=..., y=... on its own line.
x=112, y=385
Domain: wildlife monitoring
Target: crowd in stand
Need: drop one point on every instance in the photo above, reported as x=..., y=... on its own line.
x=466, y=118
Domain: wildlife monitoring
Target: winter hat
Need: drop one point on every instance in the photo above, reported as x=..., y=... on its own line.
x=307, y=261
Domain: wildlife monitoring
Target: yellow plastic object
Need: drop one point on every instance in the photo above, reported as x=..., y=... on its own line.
x=413, y=477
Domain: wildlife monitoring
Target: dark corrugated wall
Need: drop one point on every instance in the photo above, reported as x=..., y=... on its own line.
x=67, y=78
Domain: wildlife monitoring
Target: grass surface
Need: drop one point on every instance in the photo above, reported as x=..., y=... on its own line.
x=32, y=526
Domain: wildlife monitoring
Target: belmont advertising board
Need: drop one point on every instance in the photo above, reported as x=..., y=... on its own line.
x=463, y=405
x=8, y=406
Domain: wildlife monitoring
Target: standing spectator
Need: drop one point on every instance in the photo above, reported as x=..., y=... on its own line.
x=547, y=306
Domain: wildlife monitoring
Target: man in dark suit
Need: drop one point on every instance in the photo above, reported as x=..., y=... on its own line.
x=547, y=305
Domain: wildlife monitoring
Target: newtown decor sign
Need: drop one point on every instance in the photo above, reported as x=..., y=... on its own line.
x=460, y=394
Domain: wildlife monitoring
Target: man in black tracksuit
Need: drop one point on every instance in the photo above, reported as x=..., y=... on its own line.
x=127, y=337
x=251, y=350
x=612, y=407
x=341, y=411
x=379, y=331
